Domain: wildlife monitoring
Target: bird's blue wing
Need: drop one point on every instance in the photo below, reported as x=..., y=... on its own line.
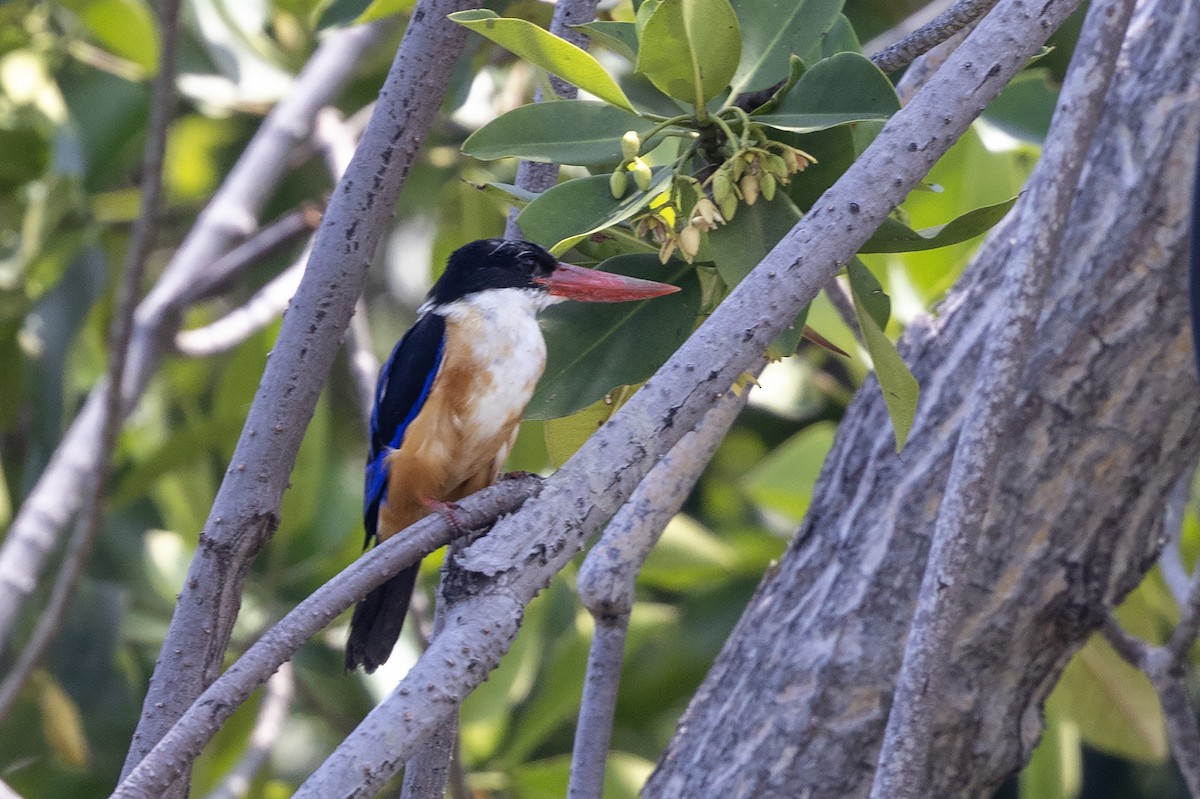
x=404, y=384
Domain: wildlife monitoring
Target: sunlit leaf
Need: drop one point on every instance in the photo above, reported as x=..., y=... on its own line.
x=687, y=555
x=690, y=48
x=378, y=9
x=899, y=387
x=594, y=347
x=620, y=37
x=784, y=480
x=624, y=776
x=62, y=723
x=773, y=31
x=563, y=132
x=572, y=211
x=835, y=91
x=543, y=49
x=124, y=27
x=1056, y=769
x=895, y=236
x=1112, y=702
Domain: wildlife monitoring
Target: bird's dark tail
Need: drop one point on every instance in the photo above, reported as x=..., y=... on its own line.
x=378, y=619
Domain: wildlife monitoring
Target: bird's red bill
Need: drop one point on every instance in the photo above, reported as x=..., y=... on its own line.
x=590, y=285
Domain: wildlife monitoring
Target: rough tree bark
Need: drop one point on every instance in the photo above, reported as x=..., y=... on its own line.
x=1107, y=421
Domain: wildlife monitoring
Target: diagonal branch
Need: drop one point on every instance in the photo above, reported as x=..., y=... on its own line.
x=606, y=582
x=961, y=15
x=186, y=739
x=521, y=554
x=940, y=612
x=246, y=510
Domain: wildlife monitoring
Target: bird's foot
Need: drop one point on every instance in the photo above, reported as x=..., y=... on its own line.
x=519, y=474
x=446, y=510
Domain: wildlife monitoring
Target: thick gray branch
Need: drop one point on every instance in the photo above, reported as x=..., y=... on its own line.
x=522, y=553
x=1108, y=417
x=1040, y=218
x=245, y=512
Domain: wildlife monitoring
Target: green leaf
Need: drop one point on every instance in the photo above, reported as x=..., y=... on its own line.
x=124, y=27
x=738, y=246
x=624, y=775
x=784, y=480
x=775, y=30
x=593, y=347
x=1056, y=769
x=870, y=293
x=542, y=48
x=690, y=48
x=560, y=132
x=378, y=9
x=1113, y=703
x=572, y=211
x=840, y=38
x=899, y=387
x=566, y=434
x=620, y=37
x=687, y=555
x=895, y=236
x=26, y=156
x=838, y=90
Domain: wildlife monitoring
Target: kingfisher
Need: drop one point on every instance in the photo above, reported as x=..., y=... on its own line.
x=450, y=399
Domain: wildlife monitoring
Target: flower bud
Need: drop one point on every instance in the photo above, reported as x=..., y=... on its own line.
x=689, y=242
x=641, y=173
x=749, y=188
x=722, y=189
x=767, y=183
x=618, y=182
x=631, y=144
x=728, y=206
x=777, y=166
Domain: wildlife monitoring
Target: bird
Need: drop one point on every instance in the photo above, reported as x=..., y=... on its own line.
x=450, y=398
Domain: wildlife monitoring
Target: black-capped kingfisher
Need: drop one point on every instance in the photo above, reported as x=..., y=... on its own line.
x=450, y=398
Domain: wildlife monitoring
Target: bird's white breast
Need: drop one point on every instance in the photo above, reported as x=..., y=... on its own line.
x=499, y=328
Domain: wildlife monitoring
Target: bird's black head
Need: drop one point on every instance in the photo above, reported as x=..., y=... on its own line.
x=492, y=264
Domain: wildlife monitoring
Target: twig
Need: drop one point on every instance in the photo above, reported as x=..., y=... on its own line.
x=581, y=496
x=922, y=68
x=141, y=241
x=905, y=27
x=1171, y=561
x=263, y=308
x=55, y=498
x=268, y=726
x=538, y=177
x=1164, y=669
x=606, y=583
x=843, y=303
x=925, y=38
x=907, y=739
x=364, y=366
x=186, y=739
x=245, y=512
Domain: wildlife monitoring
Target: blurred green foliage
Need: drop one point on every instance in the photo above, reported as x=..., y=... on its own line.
x=73, y=99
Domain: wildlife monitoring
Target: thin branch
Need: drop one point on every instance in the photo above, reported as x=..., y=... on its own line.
x=907, y=739
x=522, y=552
x=921, y=70
x=141, y=242
x=263, y=308
x=1171, y=561
x=608, y=575
x=173, y=755
x=905, y=27
x=843, y=303
x=537, y=177
x=230, y=216
x=364, y=366
x=268, y=726
x=928, y=36
x=245, y=512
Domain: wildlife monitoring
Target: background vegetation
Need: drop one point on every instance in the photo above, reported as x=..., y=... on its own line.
x=74, y=88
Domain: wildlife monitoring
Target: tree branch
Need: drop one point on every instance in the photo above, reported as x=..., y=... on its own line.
x=229, y=217
x=173, y=755
x=940, y=611
x=141, y=241
x=245, y=512
x=582, y=495
x=928, y=36
x=268, y=726
x=608, y=575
